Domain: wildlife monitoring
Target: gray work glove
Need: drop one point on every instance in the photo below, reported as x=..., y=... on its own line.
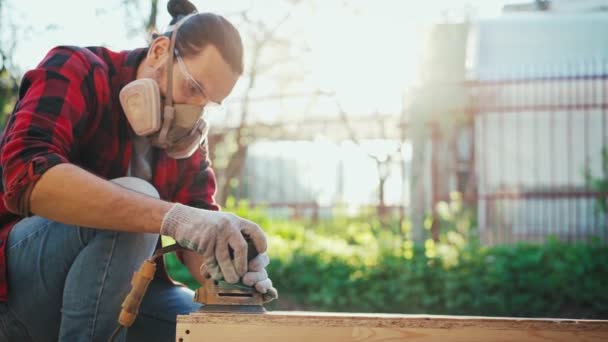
x=256, y=276
x=213, y=234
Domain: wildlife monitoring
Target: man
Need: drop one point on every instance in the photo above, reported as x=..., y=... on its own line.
x=70, y=237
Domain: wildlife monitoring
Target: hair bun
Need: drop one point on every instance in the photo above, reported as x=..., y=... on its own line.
x=180, y=7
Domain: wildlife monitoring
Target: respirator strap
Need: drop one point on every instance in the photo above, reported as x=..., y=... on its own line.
x=168, y=116
x=169, y=112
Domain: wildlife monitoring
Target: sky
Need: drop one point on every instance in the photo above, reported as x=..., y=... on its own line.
x=352, y=52
x=366, y=54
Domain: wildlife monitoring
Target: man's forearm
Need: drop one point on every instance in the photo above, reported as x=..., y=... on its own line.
x=68, y=194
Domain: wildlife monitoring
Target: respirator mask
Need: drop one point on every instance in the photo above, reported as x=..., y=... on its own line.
x=180, y=129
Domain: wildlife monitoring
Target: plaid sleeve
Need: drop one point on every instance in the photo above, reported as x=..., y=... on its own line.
x=198, y=185
x=41, y=132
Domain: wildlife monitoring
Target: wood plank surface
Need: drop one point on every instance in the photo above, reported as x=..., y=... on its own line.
x=321, y=327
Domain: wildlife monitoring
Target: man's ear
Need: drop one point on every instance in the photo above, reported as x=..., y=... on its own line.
x=158, y=53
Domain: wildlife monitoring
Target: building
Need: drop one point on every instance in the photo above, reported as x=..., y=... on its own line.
x=534, y=103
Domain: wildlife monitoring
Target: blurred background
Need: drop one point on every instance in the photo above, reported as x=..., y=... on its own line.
x=438, y=156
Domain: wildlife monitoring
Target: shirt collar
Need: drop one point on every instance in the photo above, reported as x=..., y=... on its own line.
x=128, y=68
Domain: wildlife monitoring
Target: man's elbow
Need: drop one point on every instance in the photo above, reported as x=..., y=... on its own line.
x=16, y=199
x=19, y=180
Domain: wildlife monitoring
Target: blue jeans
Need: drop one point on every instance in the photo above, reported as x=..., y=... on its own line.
x=66, y=283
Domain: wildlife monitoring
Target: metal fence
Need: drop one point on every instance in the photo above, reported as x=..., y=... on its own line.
x=536, y=134
x=294, y=179
x=520, y=157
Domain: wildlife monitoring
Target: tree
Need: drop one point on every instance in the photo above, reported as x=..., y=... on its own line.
x=137, y=23
x=9, y=82
x=270, y=53
x=261, y=36
x=600, y=183
x=383, y=162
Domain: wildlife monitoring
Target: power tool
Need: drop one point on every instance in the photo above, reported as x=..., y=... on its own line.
x=215, y=295
x=220, y=296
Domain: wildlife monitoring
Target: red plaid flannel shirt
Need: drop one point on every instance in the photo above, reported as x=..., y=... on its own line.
x=68, y=112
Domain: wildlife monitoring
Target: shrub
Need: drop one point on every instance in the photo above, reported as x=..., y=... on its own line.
x=339, y=265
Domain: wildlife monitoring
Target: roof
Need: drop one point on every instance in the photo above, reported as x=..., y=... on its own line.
x=511, y=44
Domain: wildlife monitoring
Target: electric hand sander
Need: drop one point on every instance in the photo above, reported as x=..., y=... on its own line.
x=220, y=296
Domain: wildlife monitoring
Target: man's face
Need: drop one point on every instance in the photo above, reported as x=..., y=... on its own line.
x=197, y=79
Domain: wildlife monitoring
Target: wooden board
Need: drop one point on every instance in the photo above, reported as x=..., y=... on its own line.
x=335, y=327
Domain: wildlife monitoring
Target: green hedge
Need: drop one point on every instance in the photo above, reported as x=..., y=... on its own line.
x=356, y=271
x=552, y=280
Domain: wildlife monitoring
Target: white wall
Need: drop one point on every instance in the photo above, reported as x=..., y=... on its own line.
x=531, y=149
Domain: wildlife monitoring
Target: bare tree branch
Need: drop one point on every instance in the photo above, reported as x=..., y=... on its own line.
x=314, y=94
x=383, y=166
x=150, y=24
x=136, y=21
x=261, y=36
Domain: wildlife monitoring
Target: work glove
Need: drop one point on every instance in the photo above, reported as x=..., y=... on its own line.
x=216, y=236
x=256, y=276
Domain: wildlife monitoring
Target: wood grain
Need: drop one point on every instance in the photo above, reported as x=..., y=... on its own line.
x=321, y=327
